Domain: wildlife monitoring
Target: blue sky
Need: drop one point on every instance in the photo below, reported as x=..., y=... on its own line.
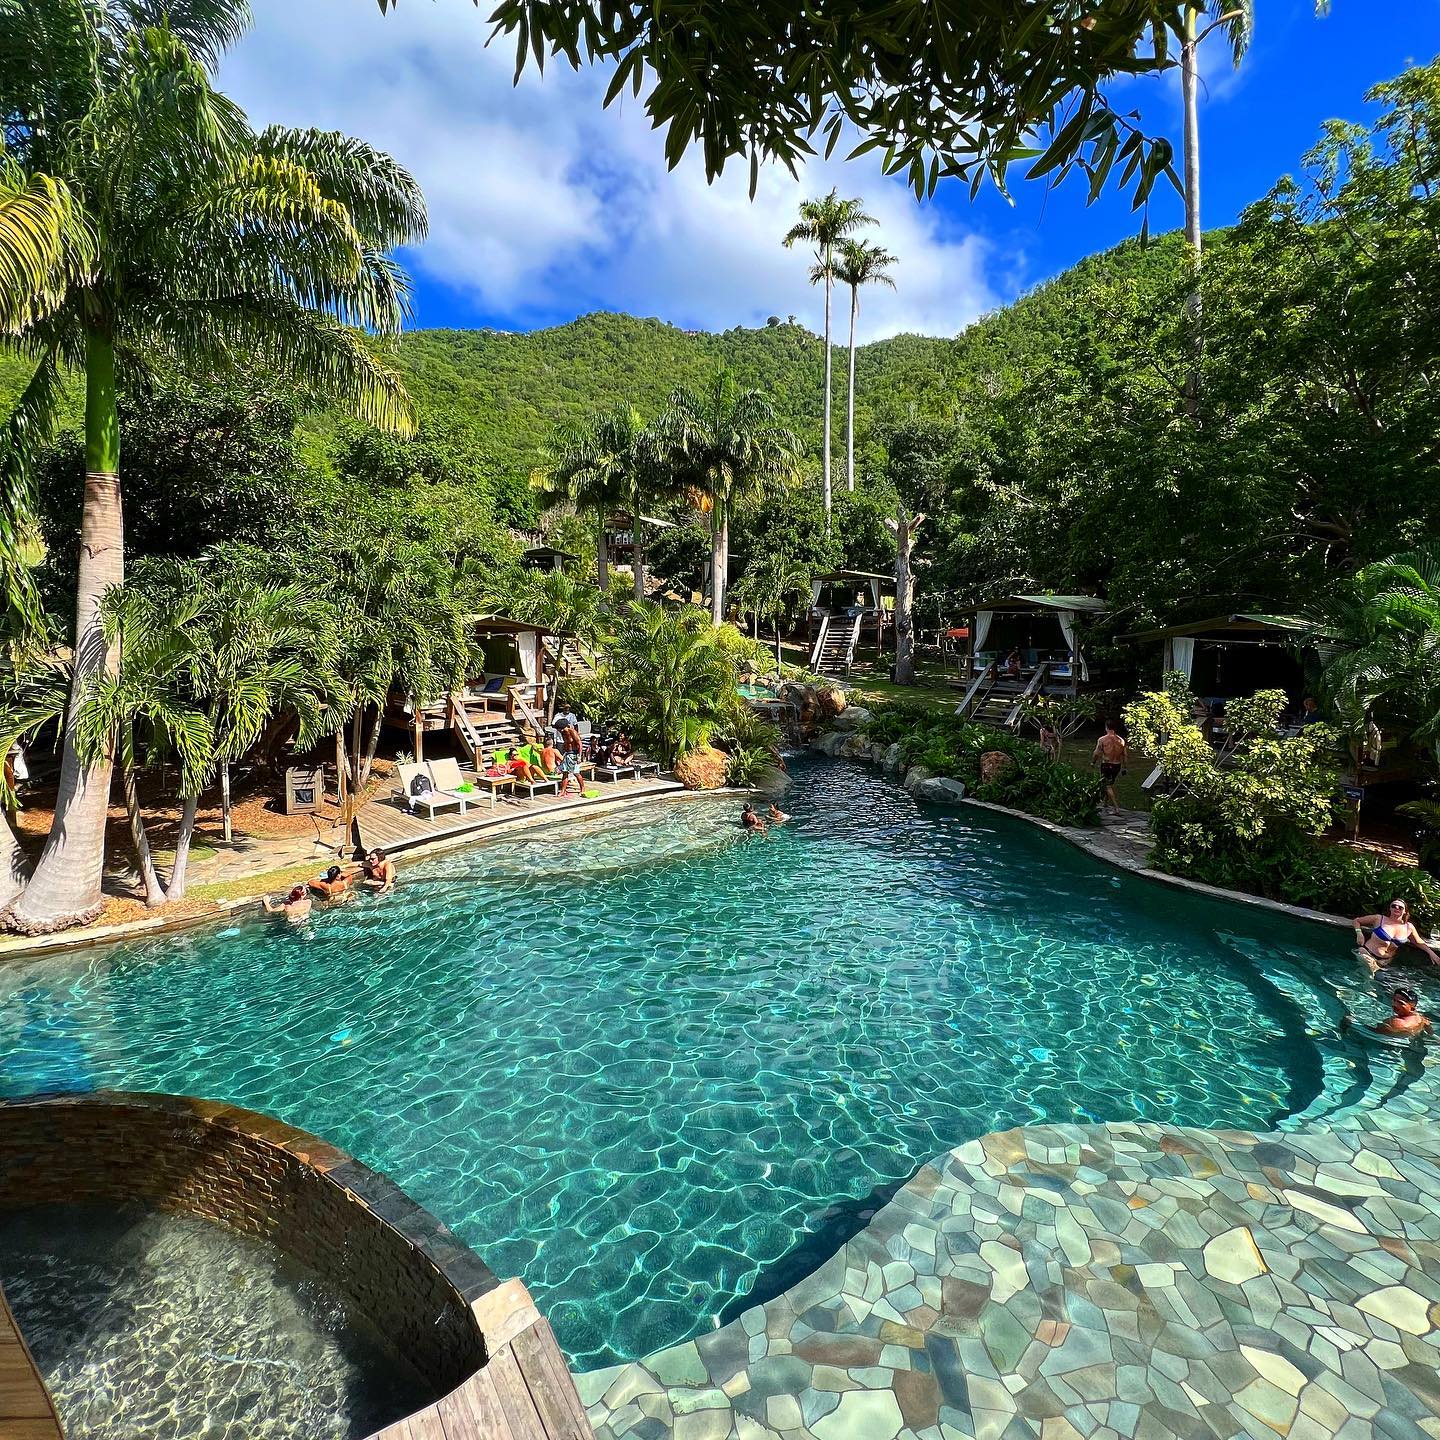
x=543, y=206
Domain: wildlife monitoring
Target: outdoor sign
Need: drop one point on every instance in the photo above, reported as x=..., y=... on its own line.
x=304, y=790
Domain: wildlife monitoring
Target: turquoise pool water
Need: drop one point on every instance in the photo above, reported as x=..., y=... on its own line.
x=652, y=1064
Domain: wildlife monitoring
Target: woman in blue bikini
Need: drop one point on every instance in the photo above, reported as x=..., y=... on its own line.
x=1388, y=932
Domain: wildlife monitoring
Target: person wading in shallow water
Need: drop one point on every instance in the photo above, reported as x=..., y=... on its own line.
x=750, y=820
x=1109, y=755
x=1388, y=932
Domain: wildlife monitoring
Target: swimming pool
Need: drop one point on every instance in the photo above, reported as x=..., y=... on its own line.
x=654, y=1065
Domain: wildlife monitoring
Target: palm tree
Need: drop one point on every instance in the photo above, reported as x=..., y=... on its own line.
x=769, y=584
x=33, y=686
x=860, y=263
x=141, y=709
x=823, y=224
x=724, y=446
x=1381, y=629
x=608, y=464
x=163, y=233
x=675, y=675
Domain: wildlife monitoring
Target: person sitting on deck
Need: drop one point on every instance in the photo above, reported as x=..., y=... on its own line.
x=1012, y=665
x=550, y=757
x=295, y=907
x=522, y=769
x=1388, y=933
x=334, y=885
x=621, y=749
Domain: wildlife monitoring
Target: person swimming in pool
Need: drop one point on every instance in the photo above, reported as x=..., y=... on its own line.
x=777, y=815
x=1406, y=1021
x=1388, y=933
x=750, y=820
x=295, y=907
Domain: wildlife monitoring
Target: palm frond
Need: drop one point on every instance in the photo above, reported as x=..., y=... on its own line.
x=46, y=246
x=315, y=352
x=207, y=28
x=380, y=195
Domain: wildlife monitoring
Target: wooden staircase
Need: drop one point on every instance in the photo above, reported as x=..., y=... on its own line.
x=568, y=657
x=482, y=732
x=834, y=651
x=991, y=700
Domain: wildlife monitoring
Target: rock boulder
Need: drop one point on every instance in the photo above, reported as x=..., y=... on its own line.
x=703, y=768
x=942, y=790
x=994, y=764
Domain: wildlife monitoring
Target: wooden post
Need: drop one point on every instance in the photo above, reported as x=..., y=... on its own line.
x=419, y=722
x=341, y=778
x=225, y=797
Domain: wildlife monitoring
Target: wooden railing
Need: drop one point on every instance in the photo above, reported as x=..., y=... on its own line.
x=819, y=644
x=1037, y=680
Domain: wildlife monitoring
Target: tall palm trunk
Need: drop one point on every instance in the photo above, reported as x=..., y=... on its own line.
x=639, y=565
x=850, y=395
x=65, y=889
x=154, y=892
x=175, y=890
x=826, y=466
x=904, y=597
x=12, y=873
x=717, y=564
x=779, y=661
x=1194, y=238
x=602, y=558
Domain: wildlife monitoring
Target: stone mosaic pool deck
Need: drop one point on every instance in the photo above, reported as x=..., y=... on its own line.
x=1120, y=1280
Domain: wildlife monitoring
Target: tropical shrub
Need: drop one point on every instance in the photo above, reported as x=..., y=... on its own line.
x=946, y=745
x=1253, y=818
x=673, y=684
x=750, y=767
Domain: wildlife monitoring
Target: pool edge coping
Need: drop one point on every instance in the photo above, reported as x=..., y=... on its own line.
x=30, y=947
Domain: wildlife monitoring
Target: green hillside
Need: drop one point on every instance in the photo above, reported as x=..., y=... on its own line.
x=513, y=388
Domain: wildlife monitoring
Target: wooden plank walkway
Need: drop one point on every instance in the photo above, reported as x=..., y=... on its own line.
x=384, y=823
x=524, y=1390
x=26, y=1410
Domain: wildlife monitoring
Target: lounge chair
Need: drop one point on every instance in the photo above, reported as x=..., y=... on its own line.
x=431, y=796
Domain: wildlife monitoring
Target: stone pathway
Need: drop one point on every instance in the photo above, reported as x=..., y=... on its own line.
x=1119, y=1280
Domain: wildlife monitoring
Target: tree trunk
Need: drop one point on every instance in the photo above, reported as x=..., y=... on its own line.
x=850, y=395
x=717, y=565
x=639, y=560
x=370, y=755
x=1194, y=236
x=65, y=889
x=12, y=873
x=154, y=891
x=904, y=599
x=176, y=888
x=779, y=662
x=724, y=572
x=827, y=393
x=225, y=798
x=602, y=558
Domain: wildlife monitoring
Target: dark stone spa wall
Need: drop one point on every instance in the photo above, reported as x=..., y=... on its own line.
x=399, y=1265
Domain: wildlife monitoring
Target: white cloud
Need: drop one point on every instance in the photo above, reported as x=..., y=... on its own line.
x=540, y=201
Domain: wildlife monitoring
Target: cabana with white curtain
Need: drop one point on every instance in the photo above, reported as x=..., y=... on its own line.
x=848, y=593
x=509, y=667
x=1045, y=629
x=1230, y=655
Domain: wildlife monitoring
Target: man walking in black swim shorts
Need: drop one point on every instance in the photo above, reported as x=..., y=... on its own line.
x=1109, y=755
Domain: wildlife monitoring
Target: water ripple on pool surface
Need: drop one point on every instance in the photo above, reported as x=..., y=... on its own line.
x=639, y=1060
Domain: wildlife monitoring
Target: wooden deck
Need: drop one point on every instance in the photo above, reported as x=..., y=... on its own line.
x=522, y=1392
x=385, y=824
x=26, y=1410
